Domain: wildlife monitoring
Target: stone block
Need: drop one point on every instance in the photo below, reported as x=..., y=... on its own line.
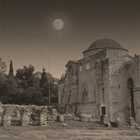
x=43, y=119
x=60, y=118
x=86, y=118
x=69, y=116
x=51, y=117
x=64, y=124
x=53, y=111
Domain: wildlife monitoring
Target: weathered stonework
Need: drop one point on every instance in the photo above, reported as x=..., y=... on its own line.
x=25, y=115
x=105, y=82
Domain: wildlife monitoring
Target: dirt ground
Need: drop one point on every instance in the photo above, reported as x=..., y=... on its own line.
x=74, y=131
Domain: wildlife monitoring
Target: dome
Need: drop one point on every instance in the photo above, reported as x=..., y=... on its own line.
x=105, y=44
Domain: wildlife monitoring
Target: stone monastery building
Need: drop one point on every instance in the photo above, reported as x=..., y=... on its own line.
x=106, y=81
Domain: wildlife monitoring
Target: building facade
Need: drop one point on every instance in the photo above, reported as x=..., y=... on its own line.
x=106, y=81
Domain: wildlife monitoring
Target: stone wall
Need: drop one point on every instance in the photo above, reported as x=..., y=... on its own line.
x=120, y=71
x=88, y=108
x=26, y=115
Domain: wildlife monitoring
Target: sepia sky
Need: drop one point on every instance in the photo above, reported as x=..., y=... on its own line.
x=27, y=35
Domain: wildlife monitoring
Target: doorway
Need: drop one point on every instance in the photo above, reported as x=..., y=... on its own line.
x=131, y=95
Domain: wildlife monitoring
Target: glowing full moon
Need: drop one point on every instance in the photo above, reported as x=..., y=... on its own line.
x=58, y=24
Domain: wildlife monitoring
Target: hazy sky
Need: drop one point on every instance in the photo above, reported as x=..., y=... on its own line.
x=27, y=35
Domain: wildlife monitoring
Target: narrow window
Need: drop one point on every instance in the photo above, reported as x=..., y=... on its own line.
x=80, y=67
x=87, y=65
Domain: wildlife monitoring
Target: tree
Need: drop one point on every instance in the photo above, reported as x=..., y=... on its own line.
x=26, y=77
x=44, y=79
x=33, y=95
x=11, y=69
x=9, y=91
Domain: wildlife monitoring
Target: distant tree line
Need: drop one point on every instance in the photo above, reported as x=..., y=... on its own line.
x=27, y=87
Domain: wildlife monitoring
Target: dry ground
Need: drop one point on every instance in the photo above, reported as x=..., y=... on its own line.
x=75, y=131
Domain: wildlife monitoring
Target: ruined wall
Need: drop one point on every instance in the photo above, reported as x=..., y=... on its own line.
x=26, y=115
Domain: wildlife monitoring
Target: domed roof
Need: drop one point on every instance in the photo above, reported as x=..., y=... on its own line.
x=105, y=43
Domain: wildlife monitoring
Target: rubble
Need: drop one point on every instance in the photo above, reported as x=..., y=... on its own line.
x=69, y=116
x=132, y=123
x=64, y=124
x=26, y=115
x=60, y=118
x=86, y=118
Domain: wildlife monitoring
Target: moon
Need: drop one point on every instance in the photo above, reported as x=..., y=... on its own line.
x=58, y=24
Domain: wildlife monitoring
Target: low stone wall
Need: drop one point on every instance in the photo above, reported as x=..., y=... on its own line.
x=26, y=115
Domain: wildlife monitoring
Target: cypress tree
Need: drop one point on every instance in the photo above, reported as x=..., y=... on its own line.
x=11, y=69
x=43, y=80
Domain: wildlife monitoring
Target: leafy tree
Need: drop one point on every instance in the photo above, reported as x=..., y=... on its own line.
x=11, y=69
x=33, y=95
x=2, y=85
x=9, y=91
x=25, y=77
x=27, y=87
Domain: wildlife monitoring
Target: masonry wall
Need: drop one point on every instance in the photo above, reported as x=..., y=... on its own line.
x=136, y=89
x=88, y=108
x=116, y=53
x=88, y=77
x=120, y=98
x=25, y=115
x=115, y=93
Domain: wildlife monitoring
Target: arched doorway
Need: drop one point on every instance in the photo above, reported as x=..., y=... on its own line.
x=131, y=95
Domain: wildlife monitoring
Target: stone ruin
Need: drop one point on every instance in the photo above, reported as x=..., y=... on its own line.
x=25, y=115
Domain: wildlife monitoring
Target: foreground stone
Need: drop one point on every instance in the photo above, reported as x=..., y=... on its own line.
x=86, y=118
x=60, y=118
x=64, y=124
x=69, y=116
